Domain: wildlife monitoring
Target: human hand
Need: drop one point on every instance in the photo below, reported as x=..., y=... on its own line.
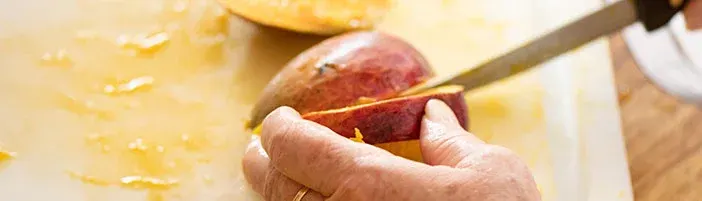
x=693, y=14
x=458, y=166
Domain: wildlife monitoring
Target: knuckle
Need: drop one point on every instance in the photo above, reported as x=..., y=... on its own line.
x=446, y=144
x=448, y=141
x=331, y=152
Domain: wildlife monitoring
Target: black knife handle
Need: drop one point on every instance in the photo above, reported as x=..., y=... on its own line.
x=655, y=14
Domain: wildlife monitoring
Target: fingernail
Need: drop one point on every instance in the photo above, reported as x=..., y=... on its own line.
x=438, y=112
x=284, y=111
x=255, y=145
x=288, y=111
x=254, y=138
x=253, y=142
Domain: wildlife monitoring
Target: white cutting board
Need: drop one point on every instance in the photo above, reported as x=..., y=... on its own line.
x=562, y=119
x=582, y=88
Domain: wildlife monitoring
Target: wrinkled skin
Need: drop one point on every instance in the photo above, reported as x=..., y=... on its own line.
x=293, y=152
x=339, y=71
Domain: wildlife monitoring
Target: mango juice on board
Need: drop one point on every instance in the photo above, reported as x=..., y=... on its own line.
x=147, y=100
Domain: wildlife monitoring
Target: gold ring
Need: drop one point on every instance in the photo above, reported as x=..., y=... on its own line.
x=301, y=193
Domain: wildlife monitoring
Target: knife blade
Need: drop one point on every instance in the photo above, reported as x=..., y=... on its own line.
x=611, y=18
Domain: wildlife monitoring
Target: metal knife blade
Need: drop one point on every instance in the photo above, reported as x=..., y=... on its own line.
x=588, y=28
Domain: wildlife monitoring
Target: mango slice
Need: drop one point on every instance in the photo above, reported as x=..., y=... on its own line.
x=390, y=120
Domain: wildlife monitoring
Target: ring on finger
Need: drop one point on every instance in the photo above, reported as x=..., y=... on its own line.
x=301, y=193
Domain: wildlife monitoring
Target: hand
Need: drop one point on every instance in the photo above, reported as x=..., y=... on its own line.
x=693, y=14
x=459, y=165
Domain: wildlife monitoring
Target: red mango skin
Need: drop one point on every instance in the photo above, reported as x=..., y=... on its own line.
x=390, y=120
x=341, y=70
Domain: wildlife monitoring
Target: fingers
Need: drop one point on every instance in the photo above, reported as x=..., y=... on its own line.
x=312, y=154
x=442, y=140
x=267, y=181
x=693, y=14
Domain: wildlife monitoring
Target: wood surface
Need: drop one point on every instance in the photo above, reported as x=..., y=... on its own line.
x=663, y=135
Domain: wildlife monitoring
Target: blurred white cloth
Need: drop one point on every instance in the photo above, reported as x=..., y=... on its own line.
x=670, y=57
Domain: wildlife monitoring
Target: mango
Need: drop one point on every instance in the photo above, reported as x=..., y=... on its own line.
x=352, y=83
x=348, y=69
x=320, y=17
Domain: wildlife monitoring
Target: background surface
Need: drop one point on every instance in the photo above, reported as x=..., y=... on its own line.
x=663, y=135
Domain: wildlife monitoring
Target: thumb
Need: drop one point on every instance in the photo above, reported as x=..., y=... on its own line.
x=442, y=140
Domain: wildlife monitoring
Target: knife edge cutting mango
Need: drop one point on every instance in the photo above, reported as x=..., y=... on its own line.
x=327, y=82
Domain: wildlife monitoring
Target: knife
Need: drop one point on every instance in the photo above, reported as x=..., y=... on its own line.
x=613, y=17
